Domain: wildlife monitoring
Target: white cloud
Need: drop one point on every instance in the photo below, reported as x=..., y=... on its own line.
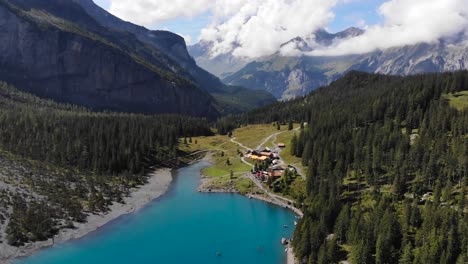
x=150, y=12
x=247, y=28
x=254, y=28
x=407, y=23
x=187, y=38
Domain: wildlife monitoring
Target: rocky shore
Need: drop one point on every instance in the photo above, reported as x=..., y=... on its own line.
x=158, y=184
x=291, y=259
x=207, y=187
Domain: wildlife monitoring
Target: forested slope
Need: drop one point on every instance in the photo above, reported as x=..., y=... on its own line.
x=59, y=162
x=387, y=162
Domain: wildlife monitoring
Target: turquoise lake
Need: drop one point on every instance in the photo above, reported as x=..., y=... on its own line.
x=183, y=227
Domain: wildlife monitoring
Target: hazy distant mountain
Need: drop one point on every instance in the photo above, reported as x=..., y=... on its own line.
x=420, y=58
x=288, y=77
x=322, y=38
x=221, y=65
x=226, y=64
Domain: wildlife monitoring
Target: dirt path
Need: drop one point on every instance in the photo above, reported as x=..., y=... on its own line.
x=233, y=140
x=268, y=138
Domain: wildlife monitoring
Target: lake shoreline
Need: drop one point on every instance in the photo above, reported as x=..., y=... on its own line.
x=204, y=187
x=158, y=184
x=290, y=258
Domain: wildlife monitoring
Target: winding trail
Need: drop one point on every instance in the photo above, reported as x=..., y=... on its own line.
x=268, y=138
x=233, y=140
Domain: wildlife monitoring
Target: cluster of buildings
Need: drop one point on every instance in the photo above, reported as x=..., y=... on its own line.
x=262, y=155
x=269, y=159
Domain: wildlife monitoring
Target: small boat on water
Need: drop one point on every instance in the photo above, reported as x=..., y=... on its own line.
x=218, y=254
x=285, y=226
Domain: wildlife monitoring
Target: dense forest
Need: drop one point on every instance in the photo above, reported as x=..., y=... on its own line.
x=68, y=160
x=387, y=162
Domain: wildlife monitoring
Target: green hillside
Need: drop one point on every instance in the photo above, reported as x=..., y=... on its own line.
x=387, y=161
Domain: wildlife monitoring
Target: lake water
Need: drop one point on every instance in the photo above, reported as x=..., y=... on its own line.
x=183, y=227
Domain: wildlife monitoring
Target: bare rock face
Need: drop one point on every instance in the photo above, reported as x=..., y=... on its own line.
x=169, y=43
x=77, y=67
x=418, y=58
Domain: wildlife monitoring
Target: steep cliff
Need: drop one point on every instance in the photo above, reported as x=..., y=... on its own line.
x=57, y=58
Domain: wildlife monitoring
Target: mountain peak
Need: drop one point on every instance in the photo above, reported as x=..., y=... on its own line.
x=350, y=32
x=325, y=38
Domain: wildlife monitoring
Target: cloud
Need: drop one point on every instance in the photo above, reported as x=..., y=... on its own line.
x=254, y=28
x=406, y=23
x=151, y=12
x=187, y=38
x=246, y=28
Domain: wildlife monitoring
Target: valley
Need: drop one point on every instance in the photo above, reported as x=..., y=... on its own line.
x=230, y=132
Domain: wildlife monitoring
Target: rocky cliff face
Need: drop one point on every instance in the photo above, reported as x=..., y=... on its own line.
x=416, y=59
x=53, y=58
x=169, y=43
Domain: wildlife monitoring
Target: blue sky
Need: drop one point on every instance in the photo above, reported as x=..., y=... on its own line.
x=351, y=13
x=347, y=13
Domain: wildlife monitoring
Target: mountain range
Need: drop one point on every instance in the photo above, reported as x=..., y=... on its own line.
x=76, y=52
x=287, y=76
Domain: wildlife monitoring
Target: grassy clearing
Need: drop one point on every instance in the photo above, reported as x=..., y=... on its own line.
x=220, y=172
x=226, y=157
x=221, y=168
x=202, y=143
x=252, y=136
x=224, y=150
x=458, y=100
x=245, y=185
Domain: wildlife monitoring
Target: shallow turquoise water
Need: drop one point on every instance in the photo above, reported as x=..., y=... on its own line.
x=183, y=227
